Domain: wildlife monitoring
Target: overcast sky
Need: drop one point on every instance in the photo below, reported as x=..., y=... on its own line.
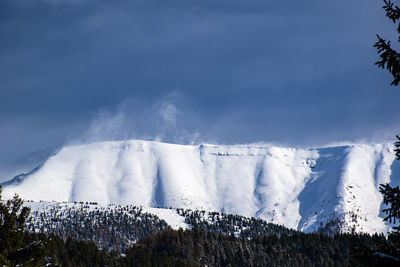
x=296, y=73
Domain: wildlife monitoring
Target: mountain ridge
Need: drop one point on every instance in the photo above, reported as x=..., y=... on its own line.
x=303, y=189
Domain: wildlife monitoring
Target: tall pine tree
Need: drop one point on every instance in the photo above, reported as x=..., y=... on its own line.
x=13, y=250
x=382, y=251
x=390, y=60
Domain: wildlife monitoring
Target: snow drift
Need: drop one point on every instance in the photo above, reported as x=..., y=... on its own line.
x=304, y=189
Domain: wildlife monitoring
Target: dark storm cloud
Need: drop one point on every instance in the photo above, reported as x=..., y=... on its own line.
x=235, y=71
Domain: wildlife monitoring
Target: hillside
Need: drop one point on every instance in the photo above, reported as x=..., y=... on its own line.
x=331, y=188
x=90, y=234
x=118, y=227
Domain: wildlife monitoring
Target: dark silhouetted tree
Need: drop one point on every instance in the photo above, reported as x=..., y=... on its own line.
x=13, y=250
x=390, y=60
x=382, y=251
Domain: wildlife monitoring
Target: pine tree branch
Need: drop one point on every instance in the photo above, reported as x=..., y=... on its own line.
x=392, y=11
x=390, y=59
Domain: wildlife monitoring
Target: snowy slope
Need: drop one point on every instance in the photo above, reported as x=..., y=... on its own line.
x=302, y=189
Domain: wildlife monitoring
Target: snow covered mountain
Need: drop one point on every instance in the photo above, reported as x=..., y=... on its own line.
x=304, y=189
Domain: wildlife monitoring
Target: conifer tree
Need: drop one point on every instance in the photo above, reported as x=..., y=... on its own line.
x=390, y=60
x=386, y=252
x=13, y=250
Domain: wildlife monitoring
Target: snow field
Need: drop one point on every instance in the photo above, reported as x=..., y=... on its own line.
x=302, y=189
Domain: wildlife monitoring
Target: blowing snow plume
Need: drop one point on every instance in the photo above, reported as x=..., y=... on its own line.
x=162, y=121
